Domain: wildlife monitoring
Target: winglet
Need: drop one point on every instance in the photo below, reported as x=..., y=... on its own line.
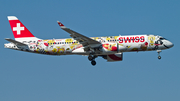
x=60, y=24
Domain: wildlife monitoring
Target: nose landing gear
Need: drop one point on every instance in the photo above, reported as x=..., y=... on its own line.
x=159, y=57
x=92, y=59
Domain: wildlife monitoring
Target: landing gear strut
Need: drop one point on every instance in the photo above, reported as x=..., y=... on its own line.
x=92, y=59
x=159, y=57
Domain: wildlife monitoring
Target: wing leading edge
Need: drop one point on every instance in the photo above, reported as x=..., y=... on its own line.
x=85, y=41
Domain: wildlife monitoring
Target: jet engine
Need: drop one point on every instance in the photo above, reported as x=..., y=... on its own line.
x=113, y=47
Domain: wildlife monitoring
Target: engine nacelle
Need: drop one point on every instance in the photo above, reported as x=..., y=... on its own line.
x=113, y=57
x=114, y=47
x=121, y=48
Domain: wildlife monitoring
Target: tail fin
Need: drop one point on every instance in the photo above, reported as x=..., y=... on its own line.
x=20, y=32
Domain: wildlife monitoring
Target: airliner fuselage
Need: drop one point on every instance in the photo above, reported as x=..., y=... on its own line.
x=110, y=48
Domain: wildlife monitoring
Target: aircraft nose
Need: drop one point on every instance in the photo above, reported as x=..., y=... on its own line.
x=170, y=44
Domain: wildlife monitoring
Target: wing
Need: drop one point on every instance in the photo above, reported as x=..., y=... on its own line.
x=85, y=41
x=16, y=42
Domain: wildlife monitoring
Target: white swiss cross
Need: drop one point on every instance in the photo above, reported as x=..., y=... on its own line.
x=18, y=29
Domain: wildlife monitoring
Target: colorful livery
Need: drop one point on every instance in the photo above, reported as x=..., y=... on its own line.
x=110, y=48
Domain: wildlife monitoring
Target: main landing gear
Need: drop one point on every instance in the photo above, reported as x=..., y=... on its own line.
x=92, y=59
x=159, y=57
x=93, y=62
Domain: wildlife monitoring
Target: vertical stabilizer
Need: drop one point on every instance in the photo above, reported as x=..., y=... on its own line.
x=20, y=32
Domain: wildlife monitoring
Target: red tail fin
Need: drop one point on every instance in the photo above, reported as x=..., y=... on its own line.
x=18, y=29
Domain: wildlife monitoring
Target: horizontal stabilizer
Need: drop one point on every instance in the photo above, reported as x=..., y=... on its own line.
x=16, y=42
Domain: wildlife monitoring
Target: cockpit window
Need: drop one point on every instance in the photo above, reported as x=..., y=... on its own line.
x=162, y=38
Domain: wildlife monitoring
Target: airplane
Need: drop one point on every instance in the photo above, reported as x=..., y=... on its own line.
x=111, y=48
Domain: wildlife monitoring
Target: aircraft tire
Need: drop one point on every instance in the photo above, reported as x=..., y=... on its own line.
x=90, y=57
x=93, y=62
x=159, y=57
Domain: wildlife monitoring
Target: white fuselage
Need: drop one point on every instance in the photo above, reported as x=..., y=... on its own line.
x=110, y=45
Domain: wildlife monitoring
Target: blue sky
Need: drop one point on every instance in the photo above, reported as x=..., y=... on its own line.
x=139, y=77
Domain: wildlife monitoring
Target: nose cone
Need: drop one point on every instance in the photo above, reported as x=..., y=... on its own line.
x=170, y=44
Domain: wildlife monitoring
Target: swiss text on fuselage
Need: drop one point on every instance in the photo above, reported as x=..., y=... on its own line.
x=136, y=39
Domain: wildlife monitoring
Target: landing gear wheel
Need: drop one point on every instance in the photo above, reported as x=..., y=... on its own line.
x=90, y=57
x=93, y=62
x=158, y=51
x=159, y=57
